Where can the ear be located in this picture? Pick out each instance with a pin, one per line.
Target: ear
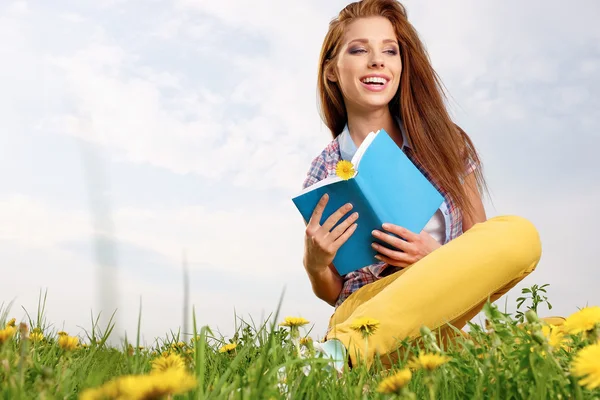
(330, 73)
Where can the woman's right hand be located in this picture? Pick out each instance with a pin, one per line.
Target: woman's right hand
(321, 242)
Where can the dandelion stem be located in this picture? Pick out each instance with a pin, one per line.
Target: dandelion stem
(366, 346)
(431, 386)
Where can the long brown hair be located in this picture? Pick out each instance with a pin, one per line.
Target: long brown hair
(440, 145)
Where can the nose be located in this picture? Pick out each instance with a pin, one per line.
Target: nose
(376, 61)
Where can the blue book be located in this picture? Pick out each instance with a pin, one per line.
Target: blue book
(386, 187)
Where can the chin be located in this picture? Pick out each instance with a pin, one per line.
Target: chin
(372, 104)
(375, 99)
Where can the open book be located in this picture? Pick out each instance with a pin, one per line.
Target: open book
(386, 187)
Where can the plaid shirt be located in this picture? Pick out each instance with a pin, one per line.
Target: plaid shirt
(342, 147)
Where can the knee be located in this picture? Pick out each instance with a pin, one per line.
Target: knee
(522, 241)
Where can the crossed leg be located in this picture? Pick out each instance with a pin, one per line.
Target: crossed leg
(449, 286)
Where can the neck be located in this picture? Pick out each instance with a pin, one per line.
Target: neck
(360, 124)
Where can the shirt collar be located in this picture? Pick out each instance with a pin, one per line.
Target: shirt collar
(348, 148)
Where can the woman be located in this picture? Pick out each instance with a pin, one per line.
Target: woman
(374, 73)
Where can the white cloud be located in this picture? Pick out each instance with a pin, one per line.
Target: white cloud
(130, 114)
(29, 222)
(187, 133)
(250, 243)
(19, 7)
(73, 17)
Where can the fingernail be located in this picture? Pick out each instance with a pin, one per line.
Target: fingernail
(378, 257)
(375, 233)
(385, 226)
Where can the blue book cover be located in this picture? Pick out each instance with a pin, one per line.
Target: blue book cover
(386, 187)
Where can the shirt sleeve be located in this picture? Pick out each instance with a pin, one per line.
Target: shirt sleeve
(470, 166)
(316, 172)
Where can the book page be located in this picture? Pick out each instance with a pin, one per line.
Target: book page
(362, 148)
(355, 161)
(327, 181)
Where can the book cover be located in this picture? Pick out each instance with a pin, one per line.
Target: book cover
(386, 187)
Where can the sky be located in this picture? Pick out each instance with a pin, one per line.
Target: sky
(145, 134)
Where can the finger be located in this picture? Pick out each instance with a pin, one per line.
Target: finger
(315, 218)
(394, 255)
(394, 263)
(400, 231)
(338, 230)
(393, 240)
(336, 216)
(344, 237)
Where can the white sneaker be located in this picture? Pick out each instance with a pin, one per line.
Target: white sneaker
(332, 349)
(335, 350)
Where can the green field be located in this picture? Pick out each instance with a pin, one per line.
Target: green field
(513, 356)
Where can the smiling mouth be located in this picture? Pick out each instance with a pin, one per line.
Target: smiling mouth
(375, 81)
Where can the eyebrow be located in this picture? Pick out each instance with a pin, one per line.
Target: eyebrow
(361, 40)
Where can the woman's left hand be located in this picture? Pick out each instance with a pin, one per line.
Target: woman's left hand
(409, 251)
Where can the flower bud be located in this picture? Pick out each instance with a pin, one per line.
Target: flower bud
(531, 316)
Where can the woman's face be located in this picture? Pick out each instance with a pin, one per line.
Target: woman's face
(368, 66)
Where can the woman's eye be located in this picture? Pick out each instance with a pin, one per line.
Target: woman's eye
(392, 52)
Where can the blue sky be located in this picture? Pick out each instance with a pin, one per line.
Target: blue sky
(196, 121)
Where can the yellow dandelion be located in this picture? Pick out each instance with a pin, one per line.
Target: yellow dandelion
(62, 333)
(155, 385)
(396, 382)
(171, 382)
(172, 361)
(587, 364)
(36, 336)
(294, 322)
(344, 169)
(227, 348)
(305, 341)
(555, 336)
(7, 333)
(12, 322)
(366, 326)
(67, 342)
(429, 361)
(582, 321)
(98, 393)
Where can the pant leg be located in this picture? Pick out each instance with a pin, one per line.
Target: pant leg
(450, 285)
(364, 294)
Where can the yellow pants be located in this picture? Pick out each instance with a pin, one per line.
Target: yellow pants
(449, 286)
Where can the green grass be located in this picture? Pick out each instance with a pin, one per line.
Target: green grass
(509, 359)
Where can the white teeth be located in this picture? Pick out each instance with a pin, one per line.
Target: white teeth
(374, 80)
